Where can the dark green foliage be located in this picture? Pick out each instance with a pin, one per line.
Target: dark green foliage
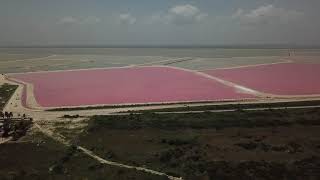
(15, 128)
(71, 116)
(115, 106)
(250, 170)
(6, 91)
(43, 158)
(239, 107)
(208, 120)
(180, 144)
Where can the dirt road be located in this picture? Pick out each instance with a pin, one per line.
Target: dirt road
(61, 139)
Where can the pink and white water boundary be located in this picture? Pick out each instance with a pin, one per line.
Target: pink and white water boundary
(279, 80)
(127, 85)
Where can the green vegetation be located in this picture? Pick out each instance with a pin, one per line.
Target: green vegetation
(6, 91)
(66, 116)
(235, 106)
(270, 144)
(195, 108)
(15, 128)
(227, 145)
(118, 106)
(207, 120)
(42, 158)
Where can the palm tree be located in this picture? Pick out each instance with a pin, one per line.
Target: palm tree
(6, 114)
(11, 114)
(6, 128)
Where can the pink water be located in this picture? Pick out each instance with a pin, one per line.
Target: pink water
(124, 86)
(280, 79)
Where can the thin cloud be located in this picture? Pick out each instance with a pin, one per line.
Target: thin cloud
(73, 20)
(180, 15)
(91, 20)
(266, 14)
(127, 19)
(68, 20)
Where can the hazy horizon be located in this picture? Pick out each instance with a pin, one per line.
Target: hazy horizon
(225, 46)
(159, 23)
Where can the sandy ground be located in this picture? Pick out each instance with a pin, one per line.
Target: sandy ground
(30, 98)
(2, 79)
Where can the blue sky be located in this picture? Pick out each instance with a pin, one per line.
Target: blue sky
(158, 22)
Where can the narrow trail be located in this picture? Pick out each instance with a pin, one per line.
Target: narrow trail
(61, 139)
(55, 136)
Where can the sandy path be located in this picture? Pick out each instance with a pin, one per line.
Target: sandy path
(2, 78)
(61, 139)
(31, 101)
